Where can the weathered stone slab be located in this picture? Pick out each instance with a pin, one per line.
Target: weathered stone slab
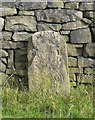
(89, 50)
(86, 62)
(11, 59)
(5, 35)
(20, 23)
(80, 36)
(2, 66)
(72, 62)
(31, 5)
(89, 71)
(7, 11)
(44, 27)
(58, 15)
(47, 68)
(87, 6)
(74, 49)
(72, 5)
(21, 36)
(55, 4)
(74, 25)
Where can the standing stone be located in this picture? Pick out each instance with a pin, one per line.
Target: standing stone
(47, 63)
(1, 23)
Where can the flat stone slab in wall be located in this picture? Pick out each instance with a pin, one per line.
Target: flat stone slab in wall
(47, 63)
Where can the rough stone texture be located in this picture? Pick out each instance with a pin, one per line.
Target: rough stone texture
(74, 25)
(58, 15)
(80, 36)
(90, 14)
(12, 45)
(11, 59)
(75, 70)
(74, 50)
(1, 23)
(87, 6)
(18, 23)
(86, 78)
(44, 27)
(5, 36)
(21, 36)
(3, 77)
(89, 50)
(31, 5)
(86, 62)
(55, 4)
(3, 53)
(47, 63)
(26, 13)
(7, 11)
(72, 62)
(2, 66)
(72, 5)
(89, 71)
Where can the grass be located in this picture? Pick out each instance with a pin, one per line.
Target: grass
(24, 104)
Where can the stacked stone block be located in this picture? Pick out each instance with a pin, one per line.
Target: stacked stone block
(75, 21)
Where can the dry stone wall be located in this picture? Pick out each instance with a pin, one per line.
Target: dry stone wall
(74, 20)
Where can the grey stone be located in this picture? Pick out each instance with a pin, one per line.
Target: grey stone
(74, 50)
(87, 6)
(58, 15)
(12, 45)
(80, 36)
(10, 4)
(7, 11)
(11, 59)
(89, 71)
(47, 63)
(89, 14)
(44, 27)
(72, 5)
(85, 62)
(73, 70)
(5, 35)
(20, 23)
(26, 13)
(16, 72)
(2, 66)
(86, 78)
(89, 50)
(1, 23)
(31, 5)
(21, 36)
(72, 62)
(74, 25)
(3, 53)
(55, 4)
